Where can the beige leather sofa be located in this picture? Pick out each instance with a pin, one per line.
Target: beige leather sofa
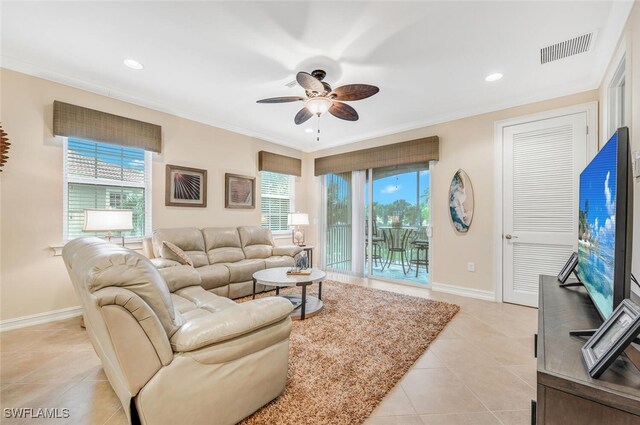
(225, 258)
(173, 352)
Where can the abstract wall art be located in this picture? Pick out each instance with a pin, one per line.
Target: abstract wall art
(239, 191)
(185, 187)
(461, 201)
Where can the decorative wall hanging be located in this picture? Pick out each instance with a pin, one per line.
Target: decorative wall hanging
(4, 148)
(185, 187)
(461, 201)
(239, 191)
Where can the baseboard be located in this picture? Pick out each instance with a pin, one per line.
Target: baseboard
(36, 319)
(464, 292)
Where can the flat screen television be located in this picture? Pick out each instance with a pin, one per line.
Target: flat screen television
(605, 224)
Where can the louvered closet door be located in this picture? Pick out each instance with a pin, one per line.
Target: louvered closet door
(542, 164)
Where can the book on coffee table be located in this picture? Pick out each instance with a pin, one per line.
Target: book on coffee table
(296, 272)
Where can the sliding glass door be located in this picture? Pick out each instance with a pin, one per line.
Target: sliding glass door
(376, 223)
(400, 222)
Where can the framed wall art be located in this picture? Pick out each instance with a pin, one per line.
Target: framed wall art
(185, 187)
(239, 191)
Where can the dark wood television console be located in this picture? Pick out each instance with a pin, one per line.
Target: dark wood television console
(566, 394)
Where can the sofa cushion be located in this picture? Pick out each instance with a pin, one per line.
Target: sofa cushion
(188, 239)
(257, 242)
(184, 258)
(290, 250)
(243, 270)
(222, 244)
(205, 300)
(214, 276)
(213, 325)
(182, 305)
(180, 276)
(279, 261)
(162, 263)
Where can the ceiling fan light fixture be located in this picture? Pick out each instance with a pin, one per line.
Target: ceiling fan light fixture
(318, 105)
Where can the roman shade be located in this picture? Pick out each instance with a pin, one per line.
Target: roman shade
(275, 163)
(411, 152)
(88, 124)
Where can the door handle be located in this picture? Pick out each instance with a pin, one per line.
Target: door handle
(510, 236)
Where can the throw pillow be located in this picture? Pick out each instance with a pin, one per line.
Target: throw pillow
(183, 257)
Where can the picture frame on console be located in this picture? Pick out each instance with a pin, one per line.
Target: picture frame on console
(239, 191)
(185, 187)
(611, 339)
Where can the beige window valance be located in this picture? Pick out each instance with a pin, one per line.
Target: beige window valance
(411, 152)
(275, 163)
(88, 124)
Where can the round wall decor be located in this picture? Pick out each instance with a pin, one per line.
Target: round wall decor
(461, 201)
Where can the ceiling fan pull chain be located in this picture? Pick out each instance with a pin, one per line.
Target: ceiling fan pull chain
(318, 137)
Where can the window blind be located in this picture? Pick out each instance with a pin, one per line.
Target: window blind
(104, 161)
(277, 200)
(100, 176)
(89, 196)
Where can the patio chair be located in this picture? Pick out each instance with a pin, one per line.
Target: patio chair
(397, 241)
(376, 242)
(419, 245)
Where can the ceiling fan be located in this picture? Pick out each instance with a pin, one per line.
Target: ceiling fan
(321, 98)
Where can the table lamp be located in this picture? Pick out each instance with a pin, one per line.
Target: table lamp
(108, 221)
(297, 233)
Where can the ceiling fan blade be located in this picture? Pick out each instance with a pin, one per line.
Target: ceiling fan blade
(303, 115)
(355, 92)
(309, 82)
(343, 111)
(284, 99)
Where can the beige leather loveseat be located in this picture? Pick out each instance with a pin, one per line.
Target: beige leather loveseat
(173, 352)
(224, 258)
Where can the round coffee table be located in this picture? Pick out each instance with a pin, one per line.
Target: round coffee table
(304, 305)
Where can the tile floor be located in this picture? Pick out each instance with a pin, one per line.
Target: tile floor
(480, 370)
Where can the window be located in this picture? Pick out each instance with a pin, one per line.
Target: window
(101, 175)
(278, 200)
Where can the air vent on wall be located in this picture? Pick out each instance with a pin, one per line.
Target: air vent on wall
(566, 48)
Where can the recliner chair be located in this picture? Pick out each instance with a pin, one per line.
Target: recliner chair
(173, 352)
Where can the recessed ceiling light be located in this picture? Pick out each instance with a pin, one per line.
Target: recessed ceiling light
(308, 130)
(493, 77)
(133, 64)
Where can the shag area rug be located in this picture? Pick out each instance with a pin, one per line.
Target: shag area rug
(344, 360)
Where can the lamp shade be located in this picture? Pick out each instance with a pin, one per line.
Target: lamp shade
(298, 219)
(108, 220)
